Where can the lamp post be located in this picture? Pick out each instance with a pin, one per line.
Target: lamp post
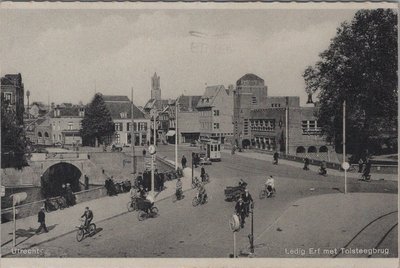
(251, 235)
(176, 133)
(133, 139)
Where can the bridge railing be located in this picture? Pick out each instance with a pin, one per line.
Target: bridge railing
(32, 208)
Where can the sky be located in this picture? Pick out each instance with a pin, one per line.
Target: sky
(68, 55)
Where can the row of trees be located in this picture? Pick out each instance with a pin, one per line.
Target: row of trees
(360, 66)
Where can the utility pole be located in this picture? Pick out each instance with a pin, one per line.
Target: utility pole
(344, 145)
(133, 139)
(176, 133)
(287, 127)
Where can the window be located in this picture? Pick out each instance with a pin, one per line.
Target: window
(118, 126)
(70, 126)
(216, 112)
(117, 138)
(310, 127)
(128, 126)
(123, 115)
(39, 134)
(254, 100)
(8, 96)
(46, 135)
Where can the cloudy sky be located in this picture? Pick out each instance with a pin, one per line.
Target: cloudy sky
(66, 54)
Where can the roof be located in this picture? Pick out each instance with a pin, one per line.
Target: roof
(159, 104)
(11, 79)
(209, 96)
(67, 110)
(251, 77)
(118, 108)
(115, 98)
(186, 101)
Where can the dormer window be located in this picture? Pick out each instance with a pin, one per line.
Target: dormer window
(81, 112)
(124, 115)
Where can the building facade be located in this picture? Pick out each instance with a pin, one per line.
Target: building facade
(285, 126)
(250, 93)
(12, 91)
(120, 108)
(188, 119)
(215, 113)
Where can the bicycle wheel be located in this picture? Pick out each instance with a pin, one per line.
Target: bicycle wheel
(141, 215)
(79, 235)
(195, 201)
(154, 210)
(130, 206)
(262, 194)
(92, 229)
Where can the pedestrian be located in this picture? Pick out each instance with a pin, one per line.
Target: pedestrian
(360, 165)
(247, 200)
(276, 156)
(144, 152)
(202, 174)
(367, 169)
(86, 182)
(306, 163)
(70, 196)
(240, 211)
(139, 179)
(42, 221)
(183, 161)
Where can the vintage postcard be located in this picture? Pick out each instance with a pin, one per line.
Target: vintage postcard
(199, 135)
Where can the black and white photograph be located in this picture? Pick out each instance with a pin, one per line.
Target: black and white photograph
(184, 131)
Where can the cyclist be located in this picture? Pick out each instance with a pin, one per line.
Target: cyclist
(88, 215)
(202, 193)
(270, 186)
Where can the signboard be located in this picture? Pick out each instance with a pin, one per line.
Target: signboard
(3, 191)
(345, 165)
(234, 223)
(147, 163)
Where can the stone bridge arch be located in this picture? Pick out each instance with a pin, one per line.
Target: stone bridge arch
(58, 174)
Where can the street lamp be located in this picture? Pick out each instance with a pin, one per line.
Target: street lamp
(251, 235)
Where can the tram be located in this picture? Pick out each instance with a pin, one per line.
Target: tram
(213, 150)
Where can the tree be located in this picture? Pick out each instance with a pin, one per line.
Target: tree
(360, 66)
(97, 123)
(14, 145)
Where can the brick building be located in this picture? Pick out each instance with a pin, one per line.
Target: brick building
(215, 113)
(250, 93)
(12, 91)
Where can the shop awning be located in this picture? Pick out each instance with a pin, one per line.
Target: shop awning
(170, 133)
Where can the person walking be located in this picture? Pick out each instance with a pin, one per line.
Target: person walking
(276, 157)
(144, 152)
(183, 161)
(42, 221)
(86, 182)
(240, 210)
(306, 163)
(247, 200)
(360, 165)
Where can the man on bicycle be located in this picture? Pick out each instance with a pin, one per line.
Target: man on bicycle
(270, 186)
(202, 193)
(88, 215)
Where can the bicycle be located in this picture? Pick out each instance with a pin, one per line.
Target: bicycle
(85, 231)
(132, 205)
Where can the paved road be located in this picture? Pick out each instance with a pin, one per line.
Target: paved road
(182, 230)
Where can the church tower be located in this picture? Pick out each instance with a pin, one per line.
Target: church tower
(155, 87)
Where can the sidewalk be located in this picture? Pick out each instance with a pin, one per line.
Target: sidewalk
(330, 222)
(62, 222)
(267, 157)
